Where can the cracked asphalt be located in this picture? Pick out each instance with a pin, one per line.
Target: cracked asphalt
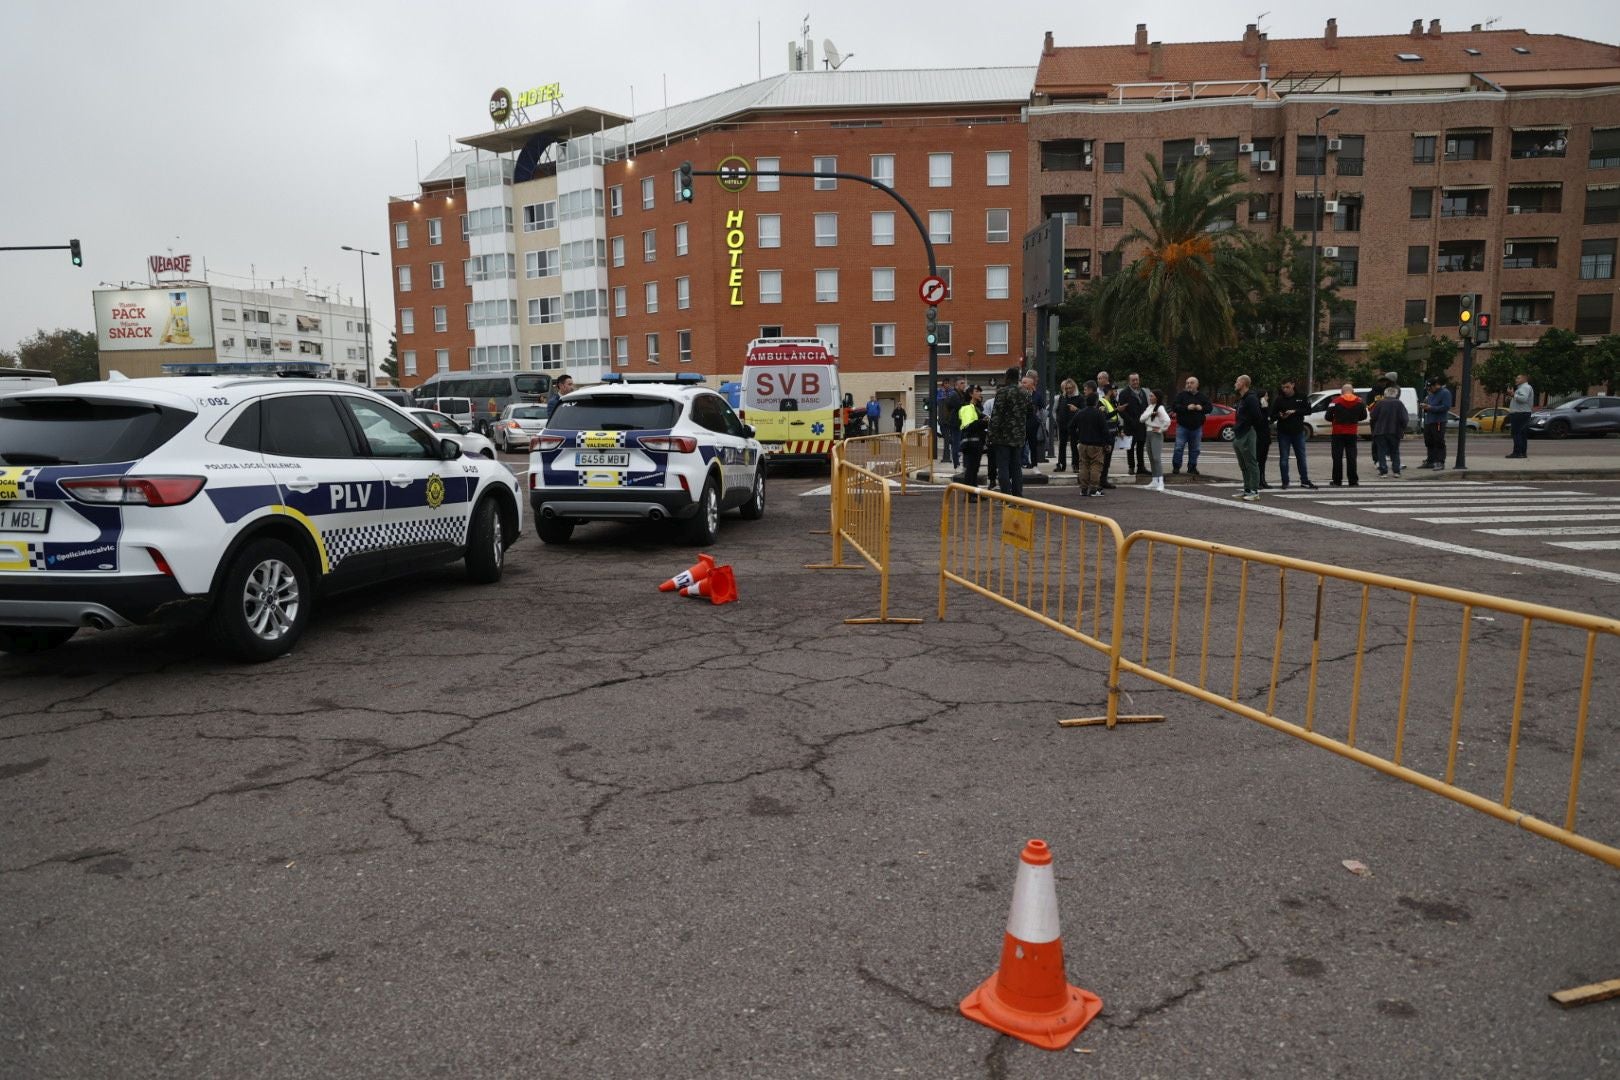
(569, 826)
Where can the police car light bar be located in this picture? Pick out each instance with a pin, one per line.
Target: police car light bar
(690, 378)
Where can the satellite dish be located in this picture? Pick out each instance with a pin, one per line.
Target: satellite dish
(835, 59)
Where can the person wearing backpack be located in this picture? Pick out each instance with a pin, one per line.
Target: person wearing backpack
(1344, 413)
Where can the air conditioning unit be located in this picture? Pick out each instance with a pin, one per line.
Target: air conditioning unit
(1331, 206)
(1335, 144)
(1268, 166)
(1451, 146)
(1201, 149)
(1260, 215)
(1088, 161)
(1246, 148)
(1330, 252)
(1085, 201)
(1507, 249)
(1515, 209)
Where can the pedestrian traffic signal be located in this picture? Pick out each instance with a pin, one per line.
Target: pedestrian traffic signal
(1482, 328)
(1465, 317)
(74, 253)
(685, 182)
(933, 325)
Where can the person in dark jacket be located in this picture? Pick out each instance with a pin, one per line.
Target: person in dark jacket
(1191, 409)
(899, 415)
(1388, 425)
(1262, 437)
(1091, 432)
(1344, 412)
(1289, 410)
(973, 426)
(1250, 415)
(1132, 402)
(1009, 430)
(1068, 404)
(1436, 411)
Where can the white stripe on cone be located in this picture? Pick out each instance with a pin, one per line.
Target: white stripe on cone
(1034, 914)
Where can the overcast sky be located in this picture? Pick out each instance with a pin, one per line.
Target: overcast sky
(263, 137)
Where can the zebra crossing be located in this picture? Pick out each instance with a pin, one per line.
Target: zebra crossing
(1559, 517)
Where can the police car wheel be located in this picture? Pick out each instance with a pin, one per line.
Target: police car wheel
(486, 544)
(554, 530)
(22, 640)
(754, 508)
(263, 604)
(703, 526)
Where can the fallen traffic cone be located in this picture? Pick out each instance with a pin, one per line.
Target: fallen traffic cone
(720, 586)
(1029, 996)
(690, 576)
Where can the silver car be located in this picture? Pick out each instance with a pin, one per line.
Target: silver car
(1578, 416)
(518, 424)
(445, 428)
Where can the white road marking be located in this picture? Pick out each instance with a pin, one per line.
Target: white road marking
(1558, 530)
(1587, 545)
(1492, 507)
(1402, 538)
(824, 489)
(1517, 519)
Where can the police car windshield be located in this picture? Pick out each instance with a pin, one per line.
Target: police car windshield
(614, 412)
(72, 431)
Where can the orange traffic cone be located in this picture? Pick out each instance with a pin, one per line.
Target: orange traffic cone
(1029, 996)
(690, 576)
(720, 586)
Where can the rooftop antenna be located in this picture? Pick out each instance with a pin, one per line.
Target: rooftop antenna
(1492, 22)
(833, 59)
(1257, 19)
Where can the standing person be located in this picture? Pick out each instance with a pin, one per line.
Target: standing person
(1344, 413)
(1262, 437)
(1105, 402)
(1289, 410)
(1388, 425)
(874, 414)
(1067, 405)
(1092, 434)
(1249, 416)
(1132, 402)
(1031, 382)
(1436, 413)
(899, 417)
(1009, 431)
(1376, 399)
(1191, 409)
(561, 385)
(1519, 409)
(971, 422)
(951, 450)
(1155, 421)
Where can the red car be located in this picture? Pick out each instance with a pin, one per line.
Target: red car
(1219, 424)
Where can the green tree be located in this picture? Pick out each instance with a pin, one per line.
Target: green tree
(70, 355)
(1386, 351)
(1442, 354)
(1273, 321)
(1603, 363)
(1141, 353)
(1495, 367)
(390, 363)
(1557, 364)
(1194, 270)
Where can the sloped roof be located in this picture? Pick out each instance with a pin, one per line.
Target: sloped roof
(1079, 69)
(453, 167)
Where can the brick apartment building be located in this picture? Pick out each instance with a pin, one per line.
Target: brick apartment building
(428, 249)
(1484, 162)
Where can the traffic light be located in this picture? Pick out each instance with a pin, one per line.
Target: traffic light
(74, 253)
(933, 325)
(1465, 317)
(1482, 328)
(685, 182)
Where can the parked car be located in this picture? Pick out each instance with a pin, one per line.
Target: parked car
(398, 395)
(1317, 422)
(1452, 420)
(1577, 416)
(1491, 419)
(445, 428)
(459, 409)
(518, 424)
(1219, 424)
(25, 379)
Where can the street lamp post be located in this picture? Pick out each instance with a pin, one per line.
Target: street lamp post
(1316, 223)
(365, 306)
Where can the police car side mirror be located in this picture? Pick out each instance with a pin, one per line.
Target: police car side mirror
(748, 431)
(449, 450)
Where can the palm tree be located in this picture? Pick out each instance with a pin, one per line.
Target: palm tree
(1195, 267)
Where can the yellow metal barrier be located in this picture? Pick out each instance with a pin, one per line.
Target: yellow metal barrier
(861, 512)
(890, 456)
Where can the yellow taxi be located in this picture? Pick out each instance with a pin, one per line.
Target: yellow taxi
(1492, 419)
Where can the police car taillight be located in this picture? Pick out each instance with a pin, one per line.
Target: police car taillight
(545, 442)
(134, 490)
(668, 444)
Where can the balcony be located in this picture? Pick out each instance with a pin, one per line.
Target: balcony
(1539, 144)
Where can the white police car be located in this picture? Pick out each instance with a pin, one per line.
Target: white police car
(234, 500)
(648, 450)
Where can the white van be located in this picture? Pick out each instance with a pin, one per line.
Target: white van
(14, 379)
(1317, 422)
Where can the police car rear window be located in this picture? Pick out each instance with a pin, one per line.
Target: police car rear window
(75, 431)
(614, 412)
(535, 413)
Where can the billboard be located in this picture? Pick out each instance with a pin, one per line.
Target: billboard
(133, 319)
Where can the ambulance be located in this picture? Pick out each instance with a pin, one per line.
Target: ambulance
(791, 398)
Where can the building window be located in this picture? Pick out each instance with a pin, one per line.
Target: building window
(683, 345)
(995, 338)
(621, 351)
(466, 229)
(1468, 146)
(1307, 212)
(436, 275)
(883, 339)
(826, 286)
(408, 358)
(649, 245)
(1597, 259)
(1346, 265)
(404, 279)
(545, 309)
(770, 331)
(1594, 314)
(1113, 157)
(828, 332)
(825, 164)
(1310, 155)
(647, 193)
(681, 232)
(1422, 203)
(1602, 205)
(541, 264)
(997, 282)
(441, 359)
(1113, 212)
(616, 201)
(1423, 149)
(407, 320)
(1417, 259)
(939, 170)
(1347, 218)
(435, 228)
(826, 230)
(1460, 256)
(1264, 150)
(998, 226)
(998, 168)
(650, 297)
(1464, 202)
(537, 216)
(616, 246)
(883, 228)
(882, 283)
(402, 235)
(770, 286)
(949, 274)
(621, 301)
(652, 349)
(1605, 151)
(1342, 323)
(939, 226)
(883, 169)
(441, 319)
(767, 165)
(1065, 155)
(1416, 310)
(683, 293)
(1539, 144)
(942, 339)
(545, 357)
(770, 230)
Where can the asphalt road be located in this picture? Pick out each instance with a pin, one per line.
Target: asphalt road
(570, 826)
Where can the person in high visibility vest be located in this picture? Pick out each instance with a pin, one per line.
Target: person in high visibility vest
(972, 425)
